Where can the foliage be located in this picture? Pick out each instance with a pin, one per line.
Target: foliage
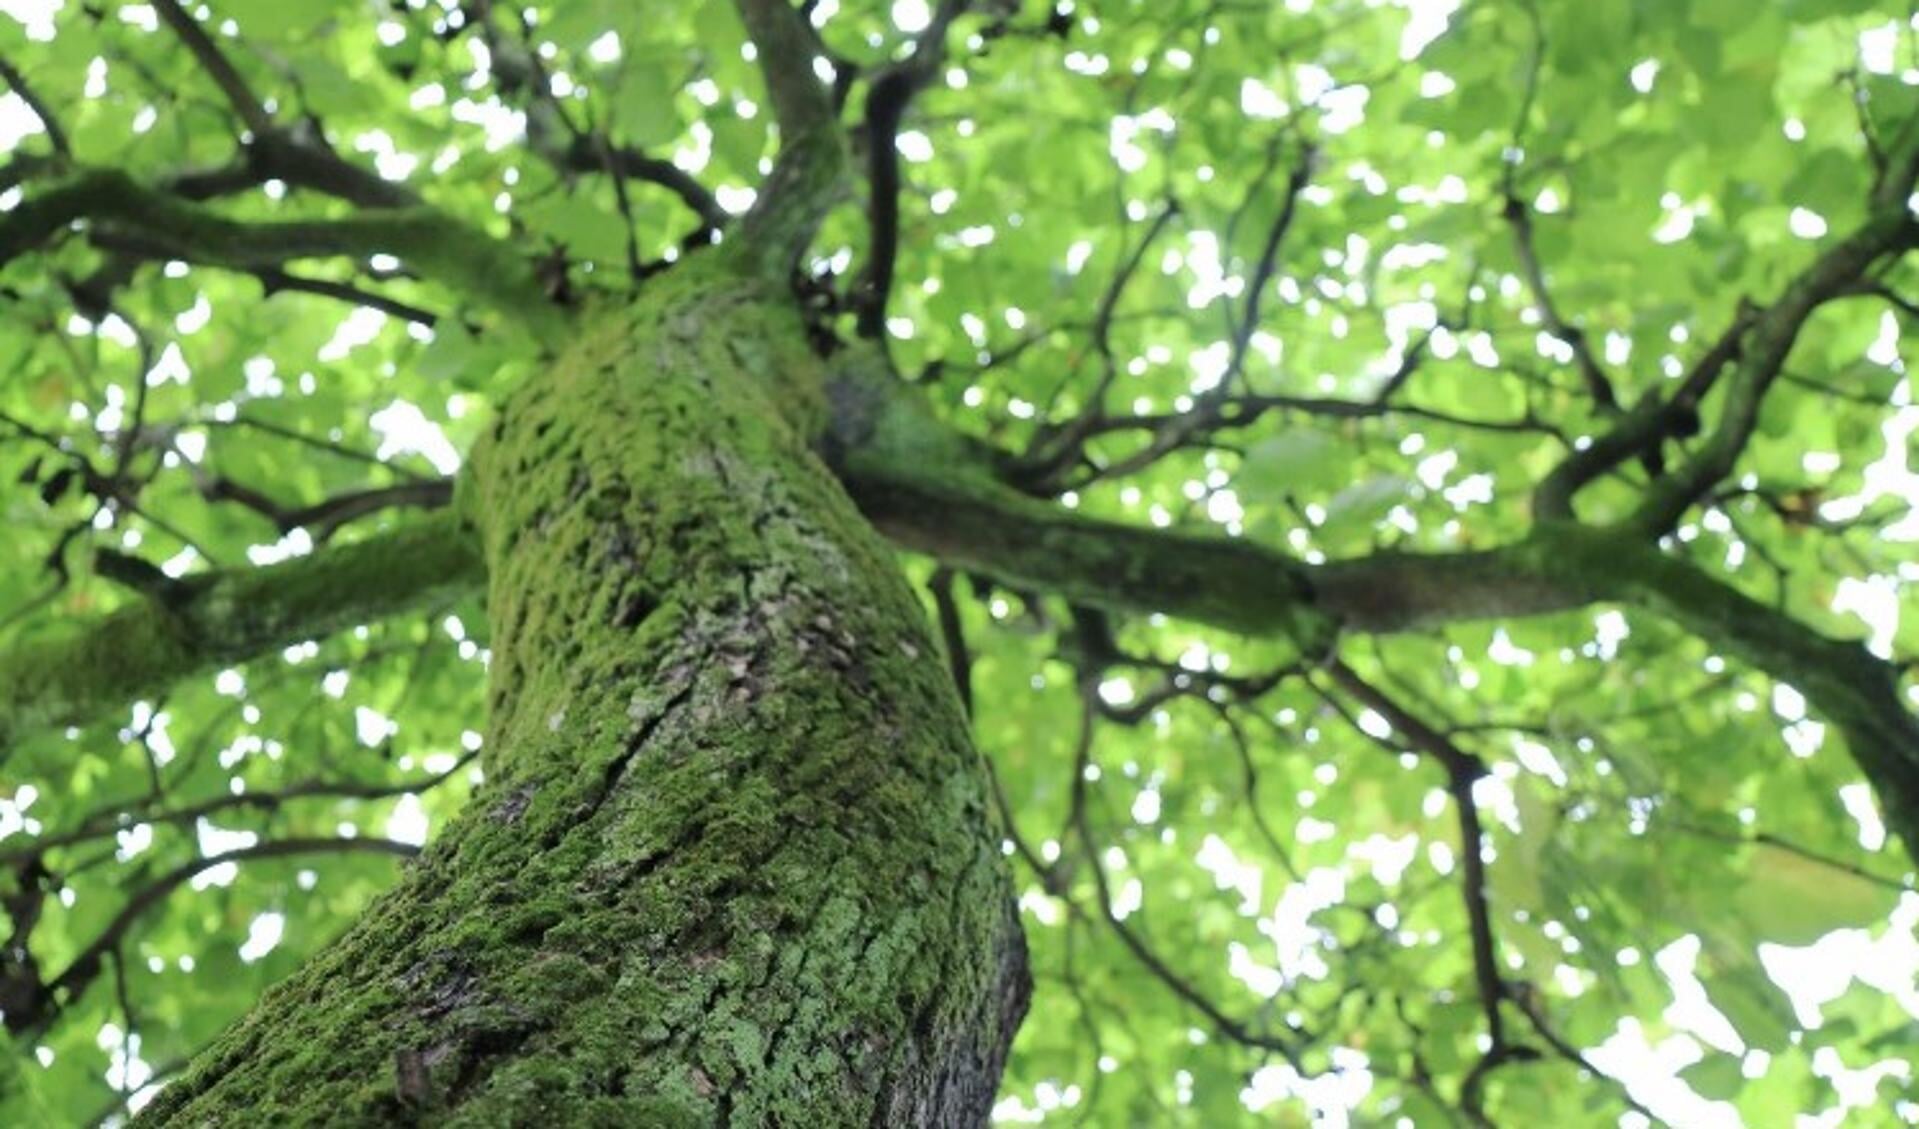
(1341, 278)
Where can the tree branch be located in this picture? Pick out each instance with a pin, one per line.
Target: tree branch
(582, 155)
(1179, 430)
(17, 82)
(77, 675)
(1053, 453)
(934, 491)
(1889, 232)
(74, 980)
(218, 67)
(445, 250)
(888, 96)
(1853, 690)
(808, 176)
(1598, 385)
(275, 281)
(959, 659)
(1753, 348)
(1529, 1005)
(111, 822)
(1648, 424)
(301, 157)
(1462, 769)
(1079, 825)
(325, 517)
(518, 71)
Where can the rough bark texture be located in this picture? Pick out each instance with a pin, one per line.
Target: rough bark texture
(734, 862)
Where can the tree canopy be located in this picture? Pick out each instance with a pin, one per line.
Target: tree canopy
(1414, 495)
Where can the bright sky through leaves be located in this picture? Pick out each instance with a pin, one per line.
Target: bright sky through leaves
(1491, 211)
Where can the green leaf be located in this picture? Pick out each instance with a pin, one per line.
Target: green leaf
(740, 142)
(581, 224)
(1715, 1077)
(451, 354)
(1753, 1005)
(1301, 460)
(1366, 502)
(644, 112)
(1793, 900)
(1631, 756)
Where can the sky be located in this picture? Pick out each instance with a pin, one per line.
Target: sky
(1886, 958)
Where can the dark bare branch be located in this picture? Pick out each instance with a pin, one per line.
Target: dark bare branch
(1598, 384)
(959, 659)
(274, 281)
(1287, 1045)
(1462, 769)
(582, 155)
(1640, 432)
(17, 82)
(324, 518)
(78, 976)
(1774, 331)
(120, 817)
(219, 68)
(890, 92)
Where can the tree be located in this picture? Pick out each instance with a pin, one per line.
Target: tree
(1324, 542)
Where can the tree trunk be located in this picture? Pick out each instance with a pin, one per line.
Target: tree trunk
(734, 861)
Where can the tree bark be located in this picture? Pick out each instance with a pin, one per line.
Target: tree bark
(734, 861)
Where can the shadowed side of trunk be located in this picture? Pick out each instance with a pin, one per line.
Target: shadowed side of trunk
(733, 862)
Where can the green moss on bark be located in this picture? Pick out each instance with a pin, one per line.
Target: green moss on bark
(74, 676)
(734, 862)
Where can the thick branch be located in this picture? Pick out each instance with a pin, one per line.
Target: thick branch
(301, 158)
(78, 675)
(1226, 582)
(1853, 690)
(936, 492)
(809, 174)
(438, 247)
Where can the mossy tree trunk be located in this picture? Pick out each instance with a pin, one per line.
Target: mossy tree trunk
(733, 862)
